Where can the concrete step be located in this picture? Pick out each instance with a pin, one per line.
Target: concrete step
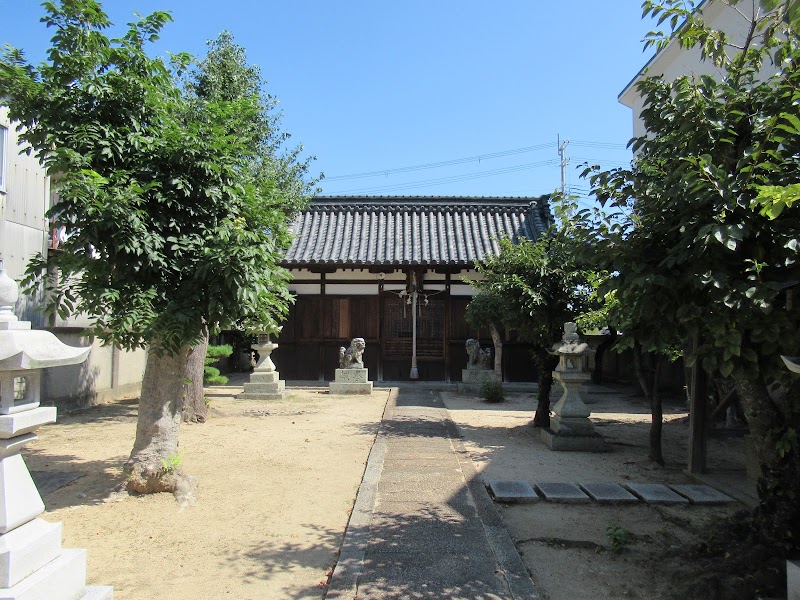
(61, 579)
(26, 549)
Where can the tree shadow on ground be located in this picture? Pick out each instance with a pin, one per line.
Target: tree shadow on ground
(95, 480)
(263, 561)
(434, 553)
(119, 410)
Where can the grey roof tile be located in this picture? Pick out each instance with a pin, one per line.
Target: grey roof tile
(359, 231)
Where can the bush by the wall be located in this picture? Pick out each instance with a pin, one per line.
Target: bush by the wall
(211, 374)
(491, 391)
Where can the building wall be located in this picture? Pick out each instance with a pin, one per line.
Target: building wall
(674, 61)
(23, 203)
(334, 307)
(108, 373)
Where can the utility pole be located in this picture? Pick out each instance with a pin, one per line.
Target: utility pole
(562, 146)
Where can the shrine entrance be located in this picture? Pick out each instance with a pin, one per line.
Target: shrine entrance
(397, 336)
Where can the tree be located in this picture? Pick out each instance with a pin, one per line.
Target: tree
(691, 254)
(166, 236)
(224, 76)
(535, 287)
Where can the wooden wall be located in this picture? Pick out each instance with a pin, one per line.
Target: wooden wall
(318, 326)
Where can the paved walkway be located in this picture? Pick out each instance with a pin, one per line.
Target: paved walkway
(423, 525)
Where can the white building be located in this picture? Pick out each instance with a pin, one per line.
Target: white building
(25, 196)
(673, 60)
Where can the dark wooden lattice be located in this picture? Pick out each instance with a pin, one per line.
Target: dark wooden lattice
(397, 328)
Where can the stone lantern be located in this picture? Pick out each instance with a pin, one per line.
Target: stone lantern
(570, 427)
(32, 563)
(265, 382)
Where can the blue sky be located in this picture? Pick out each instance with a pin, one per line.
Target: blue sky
(377, 86)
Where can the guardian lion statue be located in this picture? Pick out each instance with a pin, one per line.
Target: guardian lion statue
(352, 357)
(478, 358)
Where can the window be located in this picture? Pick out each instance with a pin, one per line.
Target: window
(3, 153)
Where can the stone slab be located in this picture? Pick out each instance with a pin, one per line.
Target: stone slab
(506, 490)
(48, 482)
(351, 376)
(254, 396)
(562, 492)
(460, 575)
(265, 388)
(337, 388)
(12, 446)
(572, 426)
(61, 579)
(26, 422)
(702, 494)
(26, 549)
(476, 376)
(456, 513)
(793, 579)
(264, 377)
(656, 493)
(574, 443)
(608, 493)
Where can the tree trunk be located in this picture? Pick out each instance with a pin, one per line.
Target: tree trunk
(152, 465)
(545, 364)
(774, 435)
(498, 353)
(648, 372)
(194, 401)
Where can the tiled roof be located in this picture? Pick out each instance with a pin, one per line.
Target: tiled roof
(359, 231)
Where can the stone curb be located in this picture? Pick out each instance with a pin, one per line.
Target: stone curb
(343, 584)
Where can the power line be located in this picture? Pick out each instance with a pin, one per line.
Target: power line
(604, 145)
(452, 179)
(467, 159)
(616, 163)
(444, 163)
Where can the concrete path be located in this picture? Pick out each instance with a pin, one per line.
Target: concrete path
(423, 525)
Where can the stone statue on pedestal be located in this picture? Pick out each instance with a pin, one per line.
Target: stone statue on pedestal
(351, 376)
(352, 357)
(477, 357)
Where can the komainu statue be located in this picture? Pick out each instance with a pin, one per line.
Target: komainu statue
(478, 358)
(352, 357)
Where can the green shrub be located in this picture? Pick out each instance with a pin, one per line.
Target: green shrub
(491, 391)
(618, 536)
(211, 374)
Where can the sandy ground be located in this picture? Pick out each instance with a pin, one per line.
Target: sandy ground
(276, 484)
(566, 547)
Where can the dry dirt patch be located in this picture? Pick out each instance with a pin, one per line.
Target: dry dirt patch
(276, 484)
(567, 547)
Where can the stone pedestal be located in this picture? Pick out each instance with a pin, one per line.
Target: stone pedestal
(33, 566)
(473, 379)
(570, 427)
(350, 381)
(265, 382)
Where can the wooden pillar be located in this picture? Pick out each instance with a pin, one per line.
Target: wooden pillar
(321, 366)
(698, 417)
(380, 330)
(447, 310)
